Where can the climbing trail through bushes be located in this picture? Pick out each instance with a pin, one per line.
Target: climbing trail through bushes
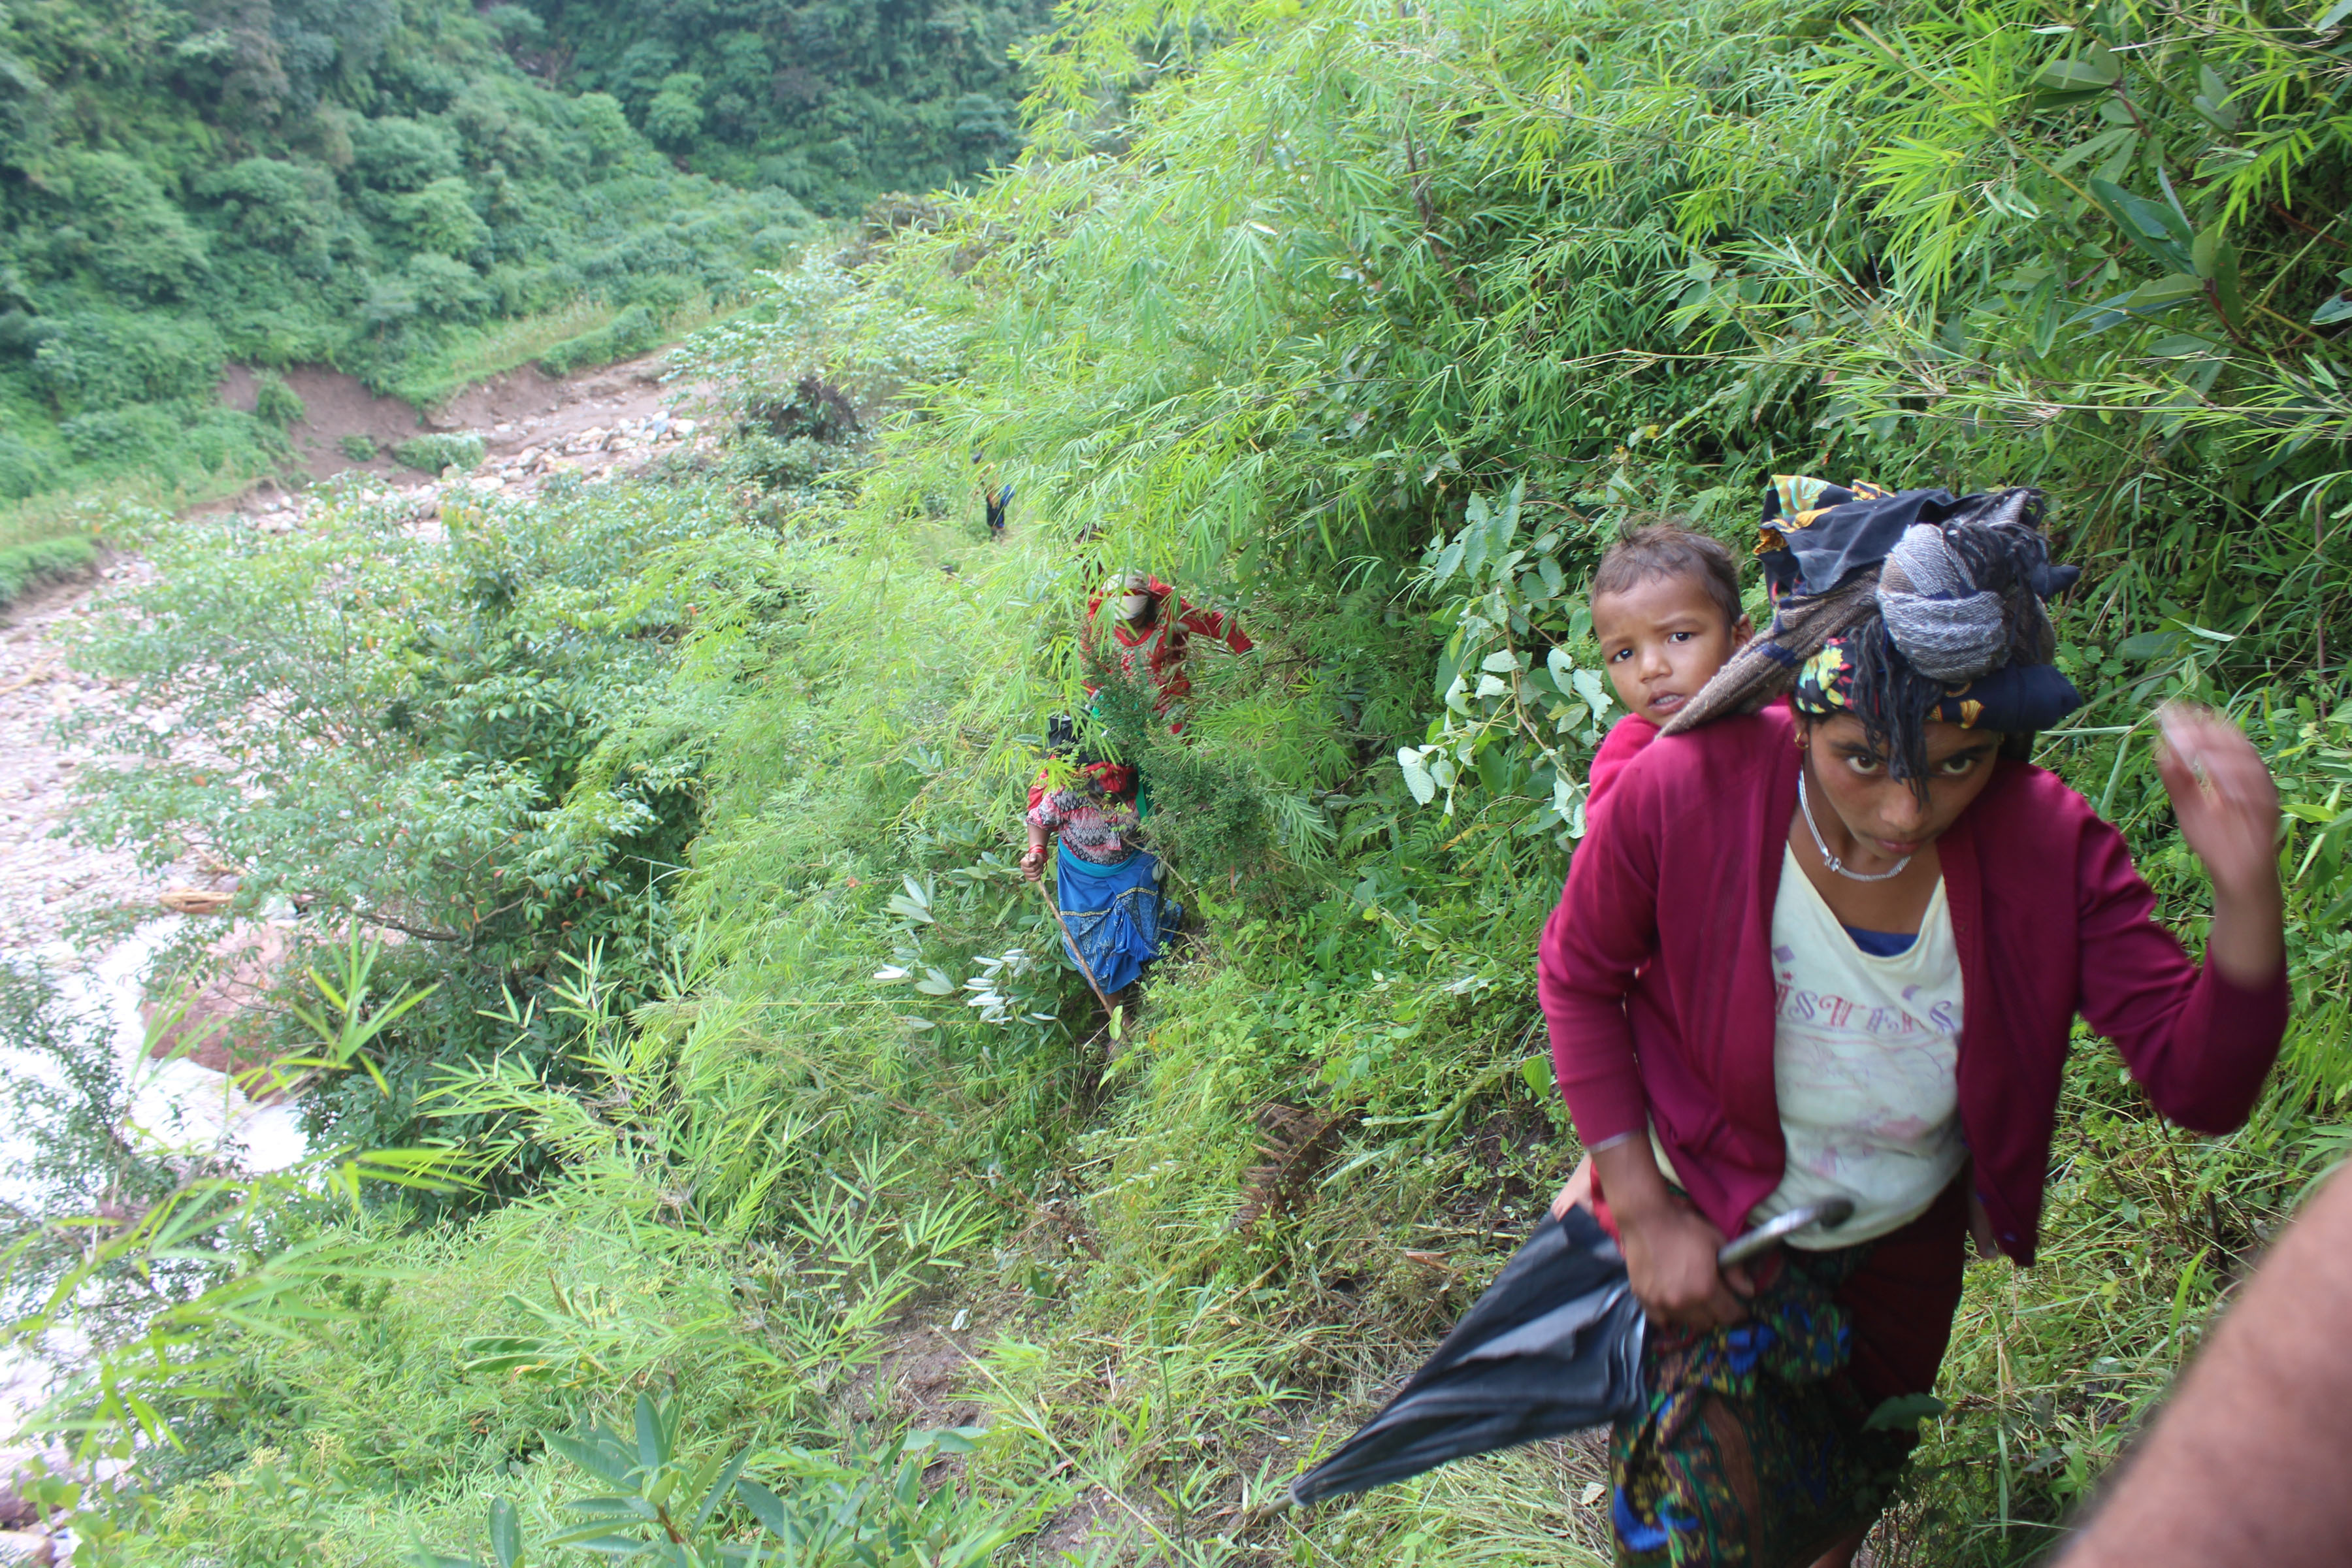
(752, 1084)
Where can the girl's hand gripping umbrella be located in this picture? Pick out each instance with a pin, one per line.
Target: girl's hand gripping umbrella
(1554, 1346)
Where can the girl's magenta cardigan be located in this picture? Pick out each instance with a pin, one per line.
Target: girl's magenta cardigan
(1658, 987)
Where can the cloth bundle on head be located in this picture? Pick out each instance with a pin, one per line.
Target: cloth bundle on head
(1946, 590)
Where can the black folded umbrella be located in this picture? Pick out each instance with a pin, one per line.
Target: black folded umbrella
(1554, 1346)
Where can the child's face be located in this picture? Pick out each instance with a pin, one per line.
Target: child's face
(1661, 639)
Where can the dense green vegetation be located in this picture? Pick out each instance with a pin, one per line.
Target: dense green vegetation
(369, 185)
(834, 103)
(1369, 322)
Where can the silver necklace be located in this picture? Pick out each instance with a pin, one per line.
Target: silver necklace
(1831, 861)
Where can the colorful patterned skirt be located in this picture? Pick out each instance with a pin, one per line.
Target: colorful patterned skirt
(1758, 1447)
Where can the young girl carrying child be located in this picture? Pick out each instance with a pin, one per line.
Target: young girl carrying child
(1838, 946)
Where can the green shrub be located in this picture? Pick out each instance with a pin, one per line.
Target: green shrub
(116, 438)
(275, 403)
(440, 220)
(94, 360)
(271, 205)
(127, 230)
(431, 454)
(49, 560)
(24, 469)
(396, 154)
(358, 449)
(635, 330)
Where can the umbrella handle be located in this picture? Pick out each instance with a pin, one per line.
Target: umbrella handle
(1829, 1214)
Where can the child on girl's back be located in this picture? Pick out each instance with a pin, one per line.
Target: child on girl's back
(1665, 610)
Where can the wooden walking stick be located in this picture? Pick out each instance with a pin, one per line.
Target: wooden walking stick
(1053, 908)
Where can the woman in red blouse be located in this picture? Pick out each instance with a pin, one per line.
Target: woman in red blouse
(1151, 638)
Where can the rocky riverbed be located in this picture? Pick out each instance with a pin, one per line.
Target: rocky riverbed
(98, 920)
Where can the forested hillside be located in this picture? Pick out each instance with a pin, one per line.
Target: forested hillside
(374, 186)
(834, 103)
(717, 1109)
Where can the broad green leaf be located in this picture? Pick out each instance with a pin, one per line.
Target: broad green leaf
(764, 1506)
(2152, 228)
(653, 1441)
(2333, 312)
(2225, 286)
(506, 1534)
(2212, 99)
(421, 1557)
(2060, 83)
(2049, 314)
(948, 1439)
(1416, 775)
(2161, 294)
(2201, 254)
(591, 1458)
(717, 1491)
(1502, 661)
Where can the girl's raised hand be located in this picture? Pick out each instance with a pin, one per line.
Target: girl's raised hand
(2222, 797)
(2228, 809)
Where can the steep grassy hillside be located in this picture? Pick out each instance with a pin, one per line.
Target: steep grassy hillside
(788, 1138)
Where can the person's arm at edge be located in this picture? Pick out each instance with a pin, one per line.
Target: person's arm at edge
(1040, 820)
(2245, 1464)
(1216, 624)
(1596, 940)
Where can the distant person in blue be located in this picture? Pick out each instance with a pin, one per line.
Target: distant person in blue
(995, 494)
(1108, 885)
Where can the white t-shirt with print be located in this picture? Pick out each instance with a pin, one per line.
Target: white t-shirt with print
(1865, 1061)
